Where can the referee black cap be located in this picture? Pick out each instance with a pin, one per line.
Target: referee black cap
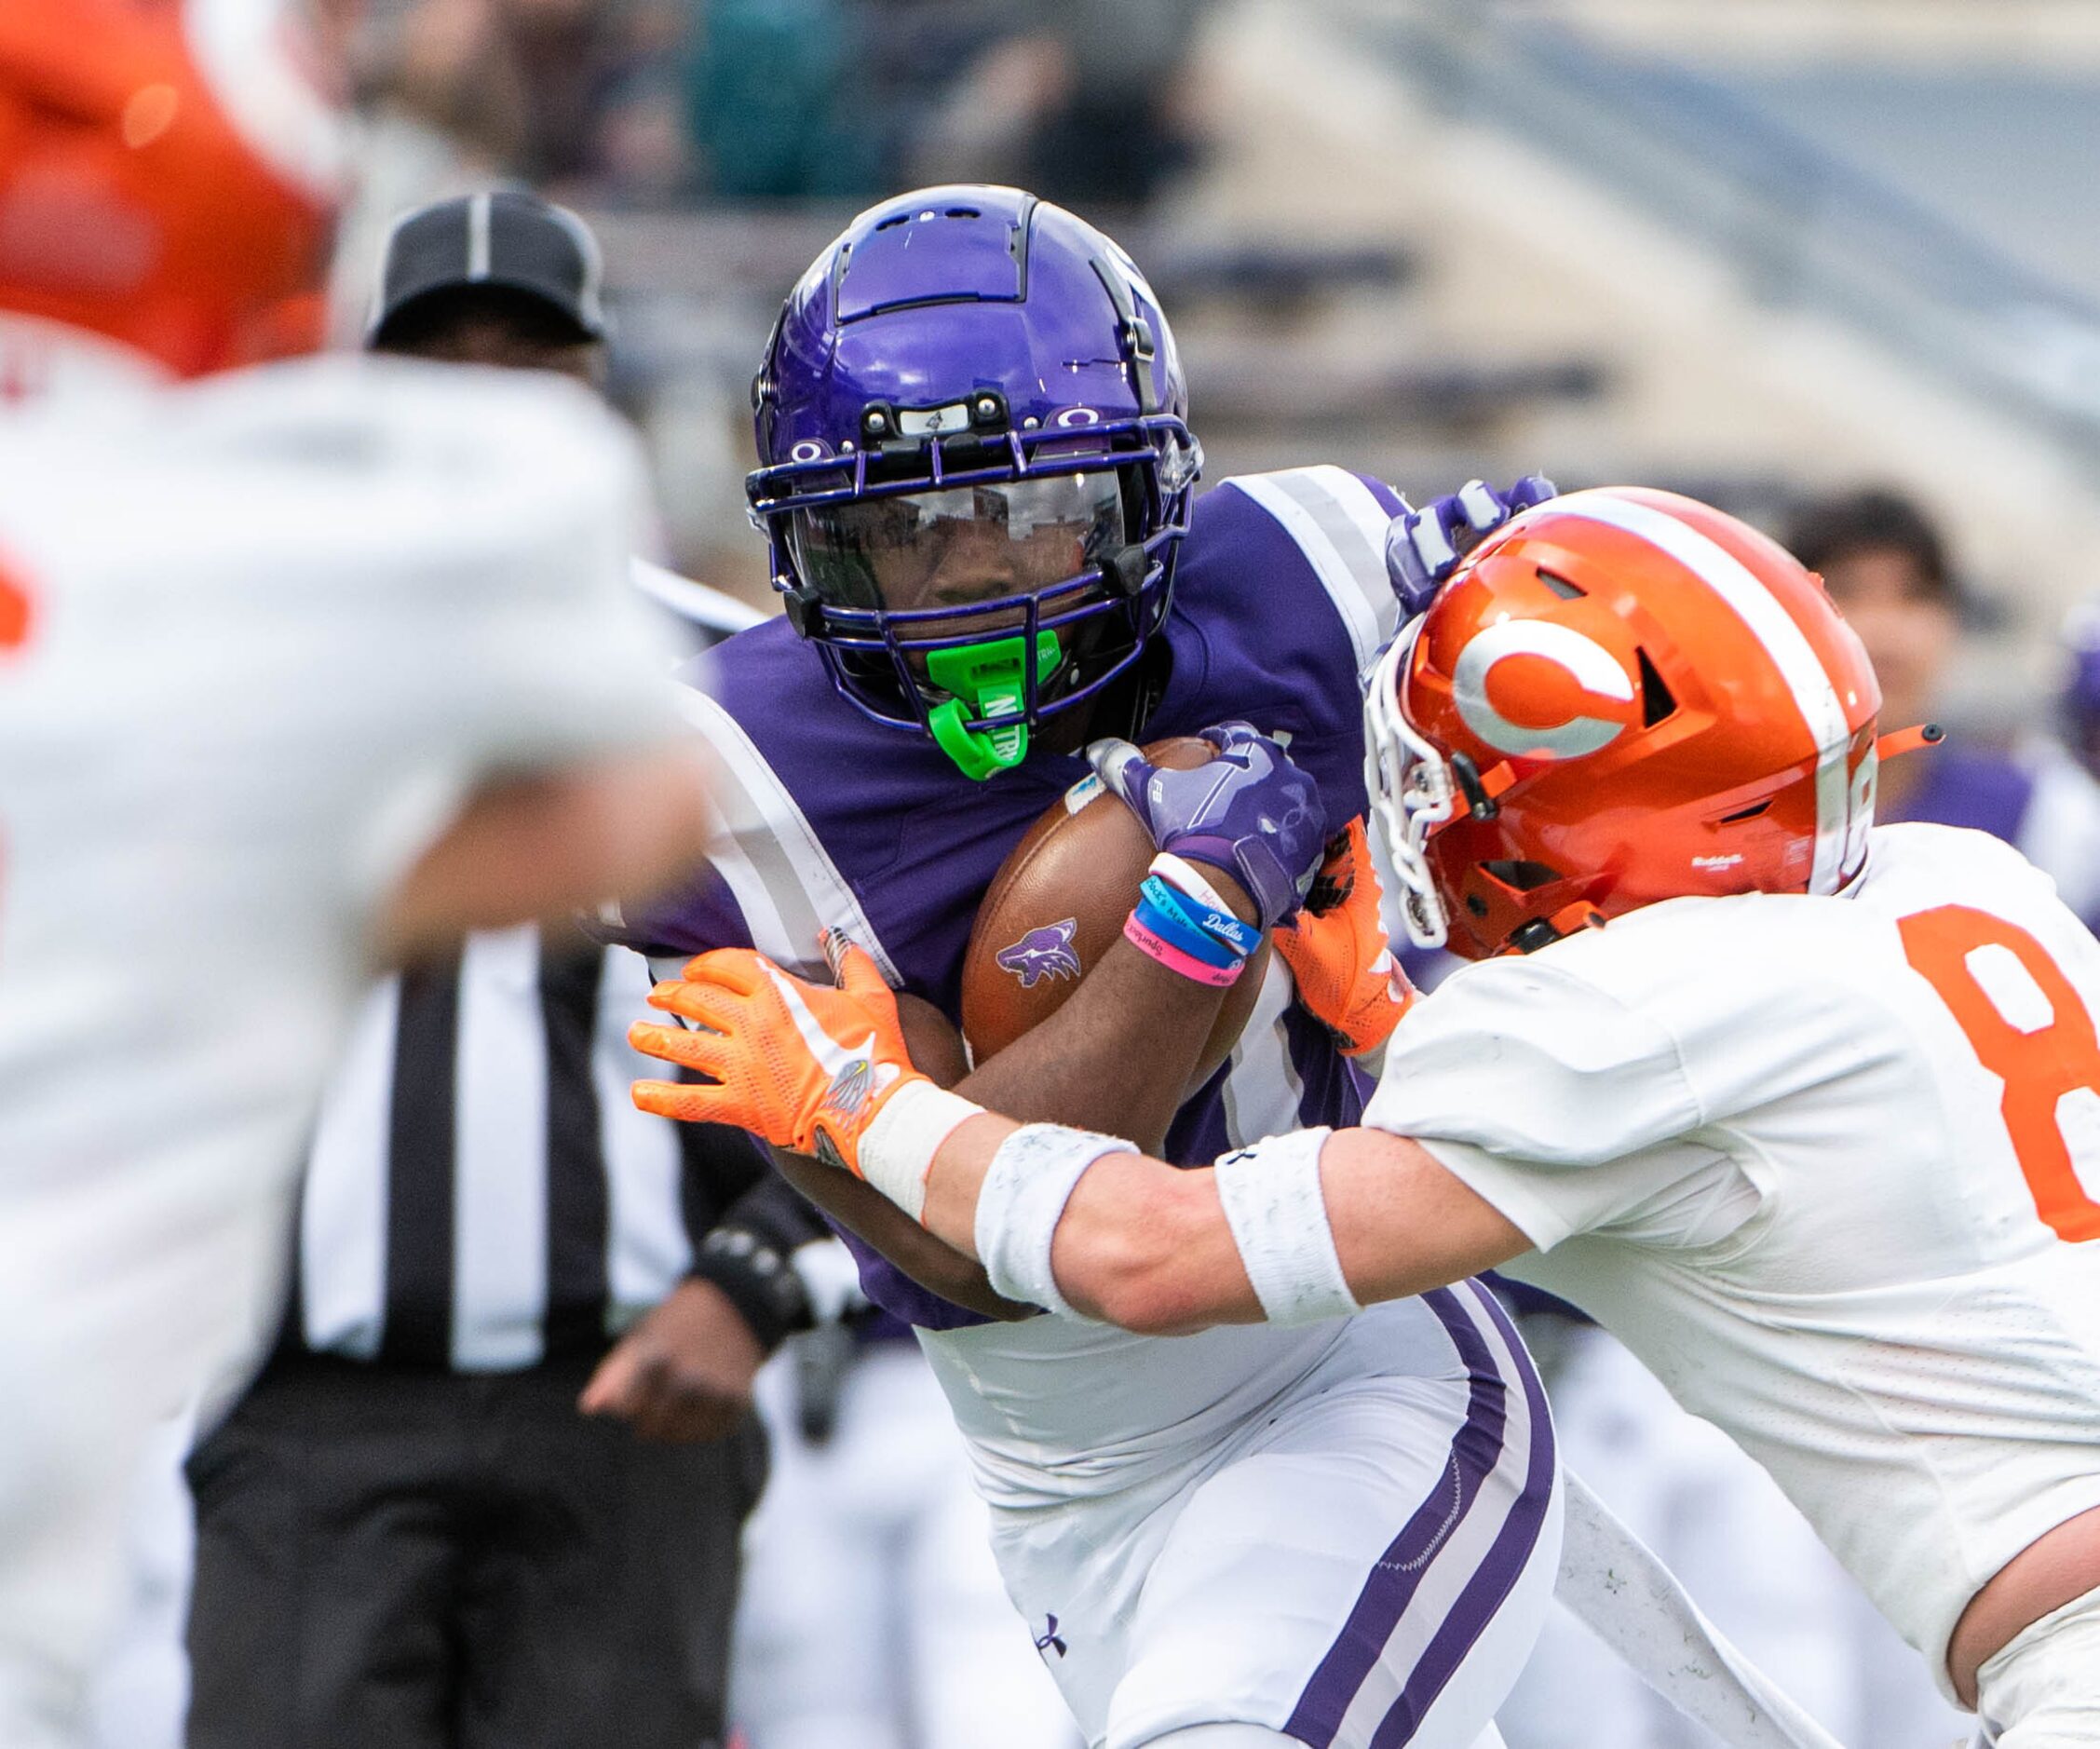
(508, 239)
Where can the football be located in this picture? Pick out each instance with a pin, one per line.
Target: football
(1058, 904)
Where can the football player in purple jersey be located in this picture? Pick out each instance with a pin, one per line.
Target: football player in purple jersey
(977, 477)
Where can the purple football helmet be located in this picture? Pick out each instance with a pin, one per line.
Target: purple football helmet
(975, 464)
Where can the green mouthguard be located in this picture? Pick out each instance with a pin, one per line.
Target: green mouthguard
(987, 680)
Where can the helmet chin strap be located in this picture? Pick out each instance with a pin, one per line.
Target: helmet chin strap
(1480, 792)
(987, 680)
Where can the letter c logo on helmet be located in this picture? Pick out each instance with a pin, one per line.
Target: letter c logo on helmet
(1586, 670)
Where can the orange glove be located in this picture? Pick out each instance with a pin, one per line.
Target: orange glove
(1347, 976)
(806, 1067)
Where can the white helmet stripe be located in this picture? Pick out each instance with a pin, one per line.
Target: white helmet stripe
(1814, 694)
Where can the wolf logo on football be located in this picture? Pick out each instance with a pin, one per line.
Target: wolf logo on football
(1042, 952)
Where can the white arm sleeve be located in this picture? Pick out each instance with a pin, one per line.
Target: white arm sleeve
(1277, 1208)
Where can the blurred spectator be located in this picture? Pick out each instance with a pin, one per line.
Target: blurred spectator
(1080, 101)
(797, 98)
(648, 102)
(407, 1534)
(780, 101)
(557, 93)
(1887, 568)
(2079, 700)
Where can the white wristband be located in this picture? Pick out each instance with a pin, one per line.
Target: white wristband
(1186, 878)
(1278, 1213)
(898, 1151)
(1023, 1197)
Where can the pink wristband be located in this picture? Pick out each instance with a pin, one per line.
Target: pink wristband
(1170, 957)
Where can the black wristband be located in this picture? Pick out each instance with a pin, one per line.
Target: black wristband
(760, 1282)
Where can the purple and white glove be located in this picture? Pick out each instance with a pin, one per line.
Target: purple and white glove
(1423, 546)
(1249, 812)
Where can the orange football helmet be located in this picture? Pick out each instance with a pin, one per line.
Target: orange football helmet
(169, 174)
(1622, 696)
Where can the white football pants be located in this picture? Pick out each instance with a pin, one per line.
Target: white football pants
(871, 1615)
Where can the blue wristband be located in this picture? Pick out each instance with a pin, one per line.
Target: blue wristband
(1177, 931)
(1241, 937)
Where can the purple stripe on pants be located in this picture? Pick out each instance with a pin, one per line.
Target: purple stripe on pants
(1499, 1569)
(1476, 1449)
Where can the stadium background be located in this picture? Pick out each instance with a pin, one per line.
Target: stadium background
(1755, 250)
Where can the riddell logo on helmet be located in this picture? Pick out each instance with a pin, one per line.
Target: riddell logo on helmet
(1536, 690)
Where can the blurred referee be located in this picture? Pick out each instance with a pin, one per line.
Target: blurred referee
(490, 1489)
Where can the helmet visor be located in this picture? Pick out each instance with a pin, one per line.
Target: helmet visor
(960, 546)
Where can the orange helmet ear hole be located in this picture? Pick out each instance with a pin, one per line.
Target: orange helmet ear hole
(1520, 878)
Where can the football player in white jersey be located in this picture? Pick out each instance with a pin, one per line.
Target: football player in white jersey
(299, 667)
(1806, 1112)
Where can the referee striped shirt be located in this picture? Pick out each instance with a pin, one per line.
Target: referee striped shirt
(481, 1193)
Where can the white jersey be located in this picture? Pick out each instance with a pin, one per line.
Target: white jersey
(258, 639)
(276, 630)
(1830, 1168)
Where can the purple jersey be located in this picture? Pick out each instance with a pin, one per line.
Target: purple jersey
(829, 820)
(1985, 790)
(2037, 797)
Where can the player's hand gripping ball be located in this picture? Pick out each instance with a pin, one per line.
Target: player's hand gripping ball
(1347, 976)
(1057, 906)
(806, 1067)
(1249, 812)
